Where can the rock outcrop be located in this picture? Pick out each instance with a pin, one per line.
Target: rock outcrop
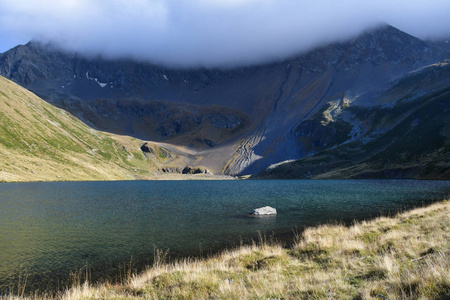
(195, 170)
(242, 120)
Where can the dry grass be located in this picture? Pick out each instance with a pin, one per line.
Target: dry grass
(404, 257)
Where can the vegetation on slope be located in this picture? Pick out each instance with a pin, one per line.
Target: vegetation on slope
(41, 142)
(409, 140)
(403, 257)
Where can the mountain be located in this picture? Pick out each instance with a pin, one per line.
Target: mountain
(443, 43)
(408, 140)
(41, 142)
(243, 120)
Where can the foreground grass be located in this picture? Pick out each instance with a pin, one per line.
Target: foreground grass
(403, 257)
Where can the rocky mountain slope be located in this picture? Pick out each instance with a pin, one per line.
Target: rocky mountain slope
(40, 142)
(408, 140)
(242, 120)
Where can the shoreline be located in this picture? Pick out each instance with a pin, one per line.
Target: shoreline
(174, 177)
(270, 256)
(200, 177)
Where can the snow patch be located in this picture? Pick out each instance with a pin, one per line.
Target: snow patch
(273, 166)
(101, 84)
(165, 77)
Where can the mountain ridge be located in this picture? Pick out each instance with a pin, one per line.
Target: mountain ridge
(241, 120)
(39, 142)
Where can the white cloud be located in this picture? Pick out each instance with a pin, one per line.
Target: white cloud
(212, 32)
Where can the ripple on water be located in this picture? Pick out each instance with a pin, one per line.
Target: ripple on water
(50, 229)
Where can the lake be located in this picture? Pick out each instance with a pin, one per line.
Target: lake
(48, 230)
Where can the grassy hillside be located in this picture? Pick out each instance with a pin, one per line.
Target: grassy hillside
(41, 142)
(403, 257)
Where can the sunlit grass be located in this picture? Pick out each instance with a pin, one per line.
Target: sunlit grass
(39, 142)
(402, 257)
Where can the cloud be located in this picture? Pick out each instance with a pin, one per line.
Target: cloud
(209, 33)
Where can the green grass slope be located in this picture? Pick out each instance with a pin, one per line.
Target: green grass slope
(39, 142)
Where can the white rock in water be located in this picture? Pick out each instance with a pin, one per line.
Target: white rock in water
(266, 210)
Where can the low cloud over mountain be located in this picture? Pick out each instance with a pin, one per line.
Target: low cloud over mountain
(211, 32)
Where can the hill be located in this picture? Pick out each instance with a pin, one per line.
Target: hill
(39, 142)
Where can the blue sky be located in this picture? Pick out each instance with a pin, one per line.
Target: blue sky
(9, 40)
(210, 32)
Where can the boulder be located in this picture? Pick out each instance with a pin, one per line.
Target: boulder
(195, 170)
(146, 148)
(266, 210)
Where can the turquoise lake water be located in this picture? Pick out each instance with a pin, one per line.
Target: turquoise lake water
(48, 230)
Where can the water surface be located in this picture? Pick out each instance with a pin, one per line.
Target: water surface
(50, 229)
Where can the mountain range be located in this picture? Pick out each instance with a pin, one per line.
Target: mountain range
(376, 106)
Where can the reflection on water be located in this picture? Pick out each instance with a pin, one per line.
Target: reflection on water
(49, 229)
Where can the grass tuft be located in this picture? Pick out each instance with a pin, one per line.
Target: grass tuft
(403, 257)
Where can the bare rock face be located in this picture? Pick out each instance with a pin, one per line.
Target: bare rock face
(333, 99)
(195, 170)
(146, 149)
(266, 210)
